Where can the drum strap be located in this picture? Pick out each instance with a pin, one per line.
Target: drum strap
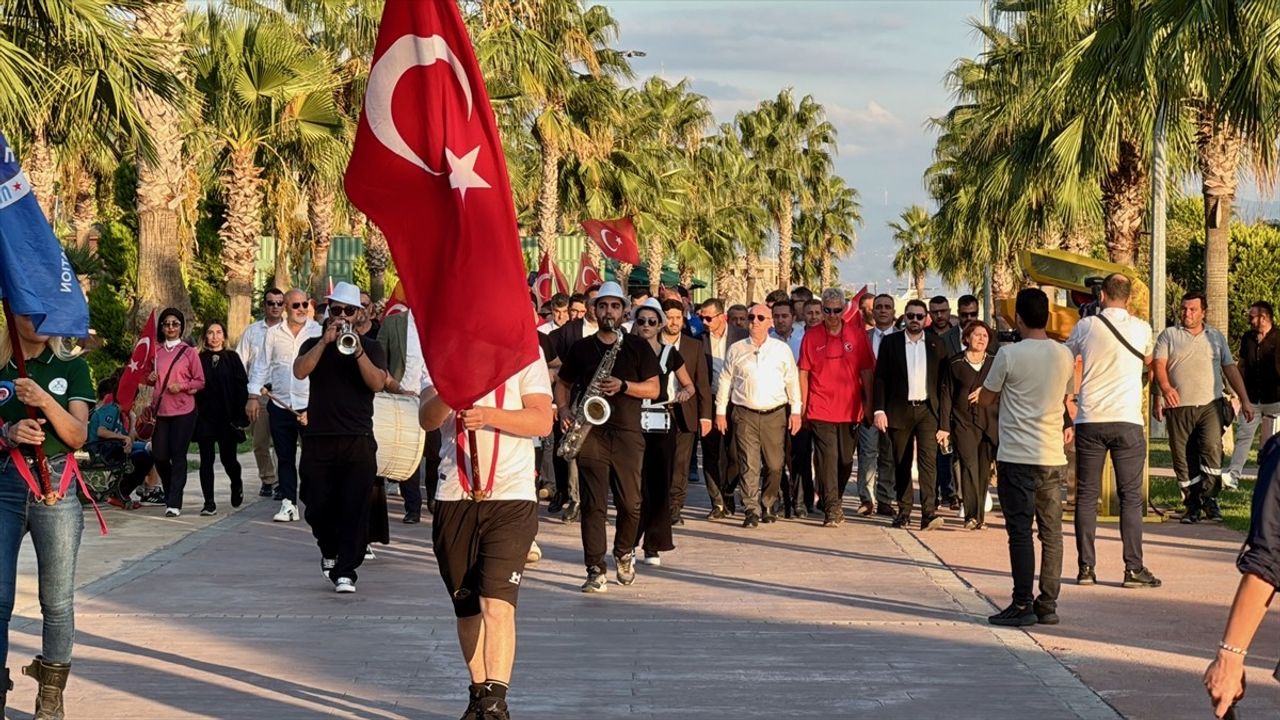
(460, 440)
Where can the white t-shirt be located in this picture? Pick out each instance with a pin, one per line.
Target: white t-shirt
(1111, 381)
(1032, 377)
(513, 469)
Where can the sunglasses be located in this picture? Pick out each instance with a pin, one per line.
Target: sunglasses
(708, 318)
(173, 323)
(348, 311)
(832, 311)
(759, 318)
(914, 316)
(299, 305)
(274, 303)
(647, 322)
(969, 316)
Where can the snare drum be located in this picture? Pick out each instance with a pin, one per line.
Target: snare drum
(400, 438)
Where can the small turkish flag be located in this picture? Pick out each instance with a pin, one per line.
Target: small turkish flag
(141, 364)
(617, 238)
(549, 280)
(588, 275)
(852, 311)
(428, 169)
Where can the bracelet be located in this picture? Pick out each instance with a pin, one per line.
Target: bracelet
(625, 385)
(1233, 649)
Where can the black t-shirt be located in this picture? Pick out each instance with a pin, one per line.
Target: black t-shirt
(341, 403)
(636, 362)
(675, 361)
(548, 346)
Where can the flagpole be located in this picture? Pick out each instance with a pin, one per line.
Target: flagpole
(473, 447)
(42, 465)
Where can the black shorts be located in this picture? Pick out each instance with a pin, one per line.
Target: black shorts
(481, 548)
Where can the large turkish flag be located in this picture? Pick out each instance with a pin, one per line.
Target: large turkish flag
(428, 168)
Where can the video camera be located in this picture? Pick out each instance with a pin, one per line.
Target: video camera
(1093, 306)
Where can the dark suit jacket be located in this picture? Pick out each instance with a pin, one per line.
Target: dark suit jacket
(563, 337)
(958, 380)
(733, 334)
(701, 405)
(890, 395)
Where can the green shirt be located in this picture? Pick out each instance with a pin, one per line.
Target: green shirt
(64, 380)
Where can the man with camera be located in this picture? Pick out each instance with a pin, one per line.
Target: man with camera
(1115, 349)
(339, 453)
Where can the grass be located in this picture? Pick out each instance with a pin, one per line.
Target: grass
(1236, 504)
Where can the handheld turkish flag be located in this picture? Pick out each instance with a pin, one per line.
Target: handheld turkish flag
(428, 169)
(141, 363)
(617, 238)
(852, 311)
(549, 280)
(588, 275)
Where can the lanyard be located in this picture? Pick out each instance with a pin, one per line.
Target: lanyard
(460, 439)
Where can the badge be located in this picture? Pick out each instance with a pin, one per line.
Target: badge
(848, 347)
(6, 391)
(58, 386)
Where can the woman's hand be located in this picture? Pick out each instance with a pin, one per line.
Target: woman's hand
(26, 432)
(151, 379)
(1224, 680)
(174, 388)
(973, 396)
(31, 394)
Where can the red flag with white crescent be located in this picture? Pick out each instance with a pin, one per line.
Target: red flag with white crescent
(428, 169)
(141, 363)
(588, 275)
(617, 238)
(549, 280)
(852, 311)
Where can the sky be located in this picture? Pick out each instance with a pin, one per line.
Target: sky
(877, 67)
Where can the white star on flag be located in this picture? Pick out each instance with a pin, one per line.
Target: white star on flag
(462, 171)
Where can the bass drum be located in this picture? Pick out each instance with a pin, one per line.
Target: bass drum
(400, 438)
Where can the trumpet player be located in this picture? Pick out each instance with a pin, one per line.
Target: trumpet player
(339, 453)
(613, 450)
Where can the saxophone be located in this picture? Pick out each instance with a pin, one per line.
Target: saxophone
(592, 408)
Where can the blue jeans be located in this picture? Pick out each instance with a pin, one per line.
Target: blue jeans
(55, 532)
(285, 432)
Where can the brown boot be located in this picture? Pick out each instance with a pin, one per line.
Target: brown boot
(53, 680)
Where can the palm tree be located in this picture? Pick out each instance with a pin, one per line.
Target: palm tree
(835, 217)
(788, 140)
(913, 233)
(262, 90)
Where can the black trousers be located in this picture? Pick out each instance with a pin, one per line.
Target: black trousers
(680, 469)
(609, 460)
(141, 463)
(1033, 492)
(340, 470)
(169, 445)
(720, 464)
(655, 502)
(1128, 447)
(976, 452)
(559, 466)
(797, 483)
(428, 471)
(834, 445)
(285, 432)
(915, 435)
(225, 446)
(1195, 442)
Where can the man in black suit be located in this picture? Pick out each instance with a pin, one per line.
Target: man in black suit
(906, 407)
(719, 458)
(693, 416)
(561, 339)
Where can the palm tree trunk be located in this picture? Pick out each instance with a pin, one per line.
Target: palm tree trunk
(549, 200)
(918, 281)
(41, 171)
(160, 181)
(1076, 241)
(654, 262)
(1124, 205)
(623, 275)
(241, 234)
(825, 264)
(785, 220)
(86, 207)
(1218, 153)
(282, 278)
(686, 277)
(320, 202)
(753, 261)
(376, 255)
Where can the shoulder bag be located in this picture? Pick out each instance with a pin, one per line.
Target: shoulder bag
(147, 419)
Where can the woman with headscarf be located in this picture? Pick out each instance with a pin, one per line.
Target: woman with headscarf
(659, 433)
(220, 416)
(60, 392)
(177, 378)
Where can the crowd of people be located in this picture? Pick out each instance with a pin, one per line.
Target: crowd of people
(778, 406)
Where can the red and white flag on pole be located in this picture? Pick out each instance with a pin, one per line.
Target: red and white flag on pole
(550, 280)
(617, 238)
(588, 275)
(141, 363)
(853, 311)
(428, 169)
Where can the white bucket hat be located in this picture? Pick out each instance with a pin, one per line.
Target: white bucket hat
(345, 293)
(611, 290)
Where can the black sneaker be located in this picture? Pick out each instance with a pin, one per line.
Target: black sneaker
(1045, 616)
(751, 520)
(1014, 616)
(1140, 578)
(492, 708)
(1086, 576)
(237, 495)
(1191, 517)
(473, 706)
(1211, 510)
(900, 521)
(267, 490)
(571, 513)
(597, 582)
(555, 505)
(209, 510)
(717, 513)
(412, 518)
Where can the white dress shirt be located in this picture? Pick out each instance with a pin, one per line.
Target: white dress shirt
(797, 337)
(275, 364)
(250, 346)
(415, 365)
(917, 368)
(760, 378)
(1111, 376)
(875, 335)
(719, 347)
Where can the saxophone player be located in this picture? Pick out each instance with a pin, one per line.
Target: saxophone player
(615, 448)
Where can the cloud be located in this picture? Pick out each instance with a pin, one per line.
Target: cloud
(720, 91)
(873, 114)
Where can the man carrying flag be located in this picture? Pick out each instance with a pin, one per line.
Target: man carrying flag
(428, 169)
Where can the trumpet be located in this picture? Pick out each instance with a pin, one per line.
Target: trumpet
(348, 340)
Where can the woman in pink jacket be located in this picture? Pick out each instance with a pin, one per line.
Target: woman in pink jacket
(177, 377)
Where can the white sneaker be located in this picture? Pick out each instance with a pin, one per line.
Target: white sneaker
(288, 512)
(535, 553)
(344, 585)
(368, 554)
(651, 560)
(327, 564)
(172, 512)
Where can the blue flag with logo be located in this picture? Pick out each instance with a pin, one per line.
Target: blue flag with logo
(35, 277)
